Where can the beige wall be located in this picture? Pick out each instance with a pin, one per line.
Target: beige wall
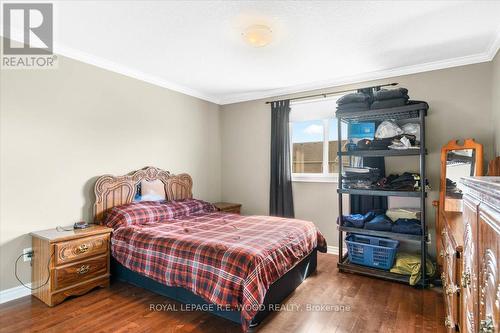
(496, 102)
(460, 107)
(62, 128)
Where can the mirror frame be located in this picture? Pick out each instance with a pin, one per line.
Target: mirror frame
(454, 145)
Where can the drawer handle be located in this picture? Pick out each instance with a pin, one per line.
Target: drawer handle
(83, 270)
(451, 289)
(448, 323)
(486, 325)
(83, 248)
(465, 279)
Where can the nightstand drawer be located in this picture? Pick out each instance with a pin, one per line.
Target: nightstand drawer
(81, 248)
(232, 210)
(79, 272)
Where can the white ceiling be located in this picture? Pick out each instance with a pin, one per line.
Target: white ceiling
(195, 46)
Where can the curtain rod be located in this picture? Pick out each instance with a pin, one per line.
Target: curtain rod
(334, 93)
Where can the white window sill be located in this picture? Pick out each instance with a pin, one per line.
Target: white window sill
(315, 178)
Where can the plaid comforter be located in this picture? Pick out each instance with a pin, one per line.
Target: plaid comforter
(227, 259)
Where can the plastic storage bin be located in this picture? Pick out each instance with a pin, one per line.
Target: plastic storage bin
(371, 251)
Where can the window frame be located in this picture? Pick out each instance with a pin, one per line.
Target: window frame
(325, 176)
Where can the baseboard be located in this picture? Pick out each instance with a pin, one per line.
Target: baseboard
(14, 293)
(332, 250)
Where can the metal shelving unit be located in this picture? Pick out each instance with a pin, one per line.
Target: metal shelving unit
(416, 112)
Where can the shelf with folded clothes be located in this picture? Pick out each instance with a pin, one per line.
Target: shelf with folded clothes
(388, 234)
(395, 223)
(381, 152)
(386, 193)
(408, 111)
(367, 181)
(406, 269)
(346, 266)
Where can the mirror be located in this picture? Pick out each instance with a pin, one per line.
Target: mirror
(458, 161)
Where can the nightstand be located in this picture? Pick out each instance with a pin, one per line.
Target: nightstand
(228, 207)
(74, 262)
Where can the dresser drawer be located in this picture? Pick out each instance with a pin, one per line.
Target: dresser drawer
(79, 272)
(81, 248)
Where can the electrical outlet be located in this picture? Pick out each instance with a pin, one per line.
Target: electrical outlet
(27, 254)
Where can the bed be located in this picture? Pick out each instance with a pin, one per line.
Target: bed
(237, 267)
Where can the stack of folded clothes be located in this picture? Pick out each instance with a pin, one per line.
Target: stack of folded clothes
(407, 226)
(389, 98)
(380, 221)
(403, 213)
(360, 178)
(410, 264)
(406, 220)
(353, 102)
(406, 182)
(359, 220)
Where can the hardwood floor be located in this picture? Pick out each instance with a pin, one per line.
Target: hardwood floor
(375, 306)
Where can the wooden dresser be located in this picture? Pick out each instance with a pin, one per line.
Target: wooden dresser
(71, 262)
(469, 251)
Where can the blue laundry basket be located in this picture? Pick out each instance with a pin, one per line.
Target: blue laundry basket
(371, 251)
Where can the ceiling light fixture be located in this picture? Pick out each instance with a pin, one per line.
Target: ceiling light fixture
(257, 35)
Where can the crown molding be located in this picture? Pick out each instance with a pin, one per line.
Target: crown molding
(120, 69)
(377, 75)
(131, 72)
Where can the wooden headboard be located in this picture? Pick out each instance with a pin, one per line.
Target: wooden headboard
(111, 191)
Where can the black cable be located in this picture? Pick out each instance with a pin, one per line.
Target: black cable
(48, 271)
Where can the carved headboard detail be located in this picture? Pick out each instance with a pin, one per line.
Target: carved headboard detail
(111, 191)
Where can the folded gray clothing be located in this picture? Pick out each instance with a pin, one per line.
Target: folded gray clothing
(384, 94)
(358, 106)
(352, 110)
(389, 103)
(353, 98)
(353, 105)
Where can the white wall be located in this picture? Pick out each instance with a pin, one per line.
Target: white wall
(460, 107)
(62, 128)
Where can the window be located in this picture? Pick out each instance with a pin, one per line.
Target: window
(313, 131)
